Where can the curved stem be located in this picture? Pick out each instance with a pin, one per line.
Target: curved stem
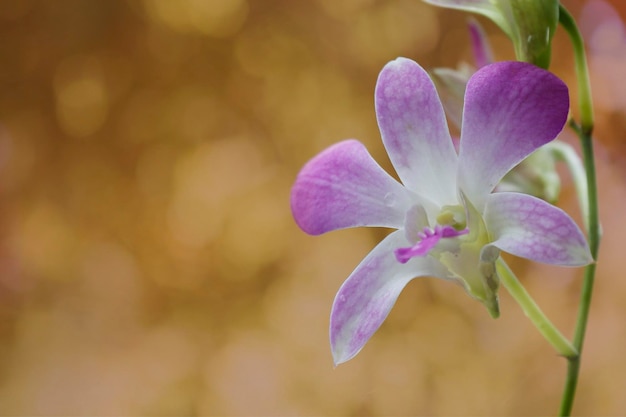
(533, 312)
(584, 133)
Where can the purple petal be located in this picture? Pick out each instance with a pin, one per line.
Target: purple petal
(344, 187)
(414, 130)
(528, 227)
(511, 109)
(366, 297)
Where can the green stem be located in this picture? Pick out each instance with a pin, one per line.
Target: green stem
(584, 133)
(534, 313)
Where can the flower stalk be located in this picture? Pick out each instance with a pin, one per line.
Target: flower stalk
(584, 130)
(533, 312)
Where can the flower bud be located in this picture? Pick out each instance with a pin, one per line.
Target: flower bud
(529, 23)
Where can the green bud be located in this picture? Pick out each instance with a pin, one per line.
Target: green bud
(533, 25)
(529, 23)
(536, 175)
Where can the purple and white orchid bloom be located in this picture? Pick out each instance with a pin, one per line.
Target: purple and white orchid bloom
(449, 223)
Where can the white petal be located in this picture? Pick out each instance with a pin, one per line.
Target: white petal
(414, 130)
(366, 297)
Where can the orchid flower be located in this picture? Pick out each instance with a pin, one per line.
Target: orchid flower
(448, 222)
(530, 24)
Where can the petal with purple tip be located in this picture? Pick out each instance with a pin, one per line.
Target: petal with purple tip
(528, 227)
(366, 297)
(414, 130)
(342, 187)
(511, 109)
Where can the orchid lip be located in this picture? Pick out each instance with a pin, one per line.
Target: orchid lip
(429, 238)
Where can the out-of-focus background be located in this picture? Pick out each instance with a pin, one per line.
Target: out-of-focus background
(149, 264)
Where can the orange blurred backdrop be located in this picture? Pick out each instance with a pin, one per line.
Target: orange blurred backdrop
(149, 264)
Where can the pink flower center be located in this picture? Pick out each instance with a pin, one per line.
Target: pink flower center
(428, 239)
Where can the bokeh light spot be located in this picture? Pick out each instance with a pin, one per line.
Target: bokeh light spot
(216, 18)
(45, 242)
(81, 96)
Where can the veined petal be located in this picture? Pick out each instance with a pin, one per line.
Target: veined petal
(511, 109)
(531, 228)
(414, 130)
(342, 187)
(366, 297)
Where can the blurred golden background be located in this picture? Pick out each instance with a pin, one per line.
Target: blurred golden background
(149, 264)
